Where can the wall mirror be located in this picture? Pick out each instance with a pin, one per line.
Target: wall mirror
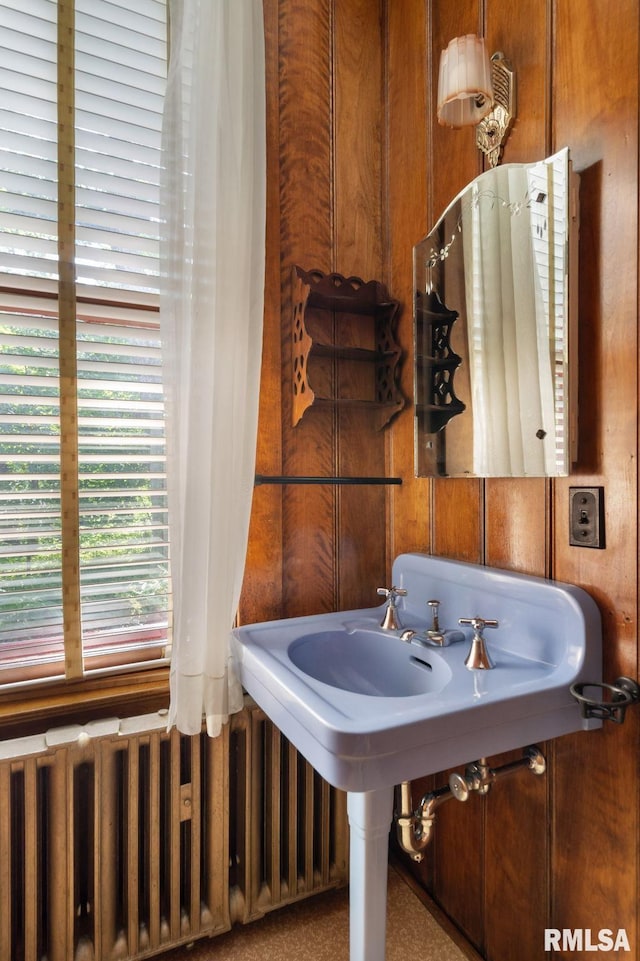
(495, 375)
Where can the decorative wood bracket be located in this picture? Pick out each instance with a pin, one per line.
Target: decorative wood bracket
(347, 300)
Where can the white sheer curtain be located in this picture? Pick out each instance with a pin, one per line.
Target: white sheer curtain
(211, 323)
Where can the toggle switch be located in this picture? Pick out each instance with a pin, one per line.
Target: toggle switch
(586, 517)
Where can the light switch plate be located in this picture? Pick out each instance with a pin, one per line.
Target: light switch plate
(586, 517)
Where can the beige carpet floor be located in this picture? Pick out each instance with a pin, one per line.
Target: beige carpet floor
(317, 929)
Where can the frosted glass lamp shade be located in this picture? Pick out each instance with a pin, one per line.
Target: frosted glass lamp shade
(465, 94)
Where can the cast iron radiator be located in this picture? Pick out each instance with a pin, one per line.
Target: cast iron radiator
(119, 840)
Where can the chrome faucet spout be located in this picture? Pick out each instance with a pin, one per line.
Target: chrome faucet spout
(434, 636)
(438, 636)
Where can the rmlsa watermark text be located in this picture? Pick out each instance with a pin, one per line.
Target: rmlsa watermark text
(585, 939)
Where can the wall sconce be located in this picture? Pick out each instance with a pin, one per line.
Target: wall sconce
(476, 91)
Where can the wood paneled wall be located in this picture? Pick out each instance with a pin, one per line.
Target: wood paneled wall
(560, 851)
(358, 172)
(319, 548)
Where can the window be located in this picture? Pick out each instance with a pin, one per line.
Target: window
(84, 573)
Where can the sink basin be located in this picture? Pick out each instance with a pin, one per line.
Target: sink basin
(369, 710)
(369, 662)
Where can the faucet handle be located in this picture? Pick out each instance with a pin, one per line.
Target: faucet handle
(478, 659)
(390, 621)
(392, 592)
(478, 623)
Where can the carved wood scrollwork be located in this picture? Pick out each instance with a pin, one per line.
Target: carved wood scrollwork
(325, 306)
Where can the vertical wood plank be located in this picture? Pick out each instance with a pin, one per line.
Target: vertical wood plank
(357, 45)
(517, 864)
(517, 511)
(358, 237)
(457, 850)
(457, 504)
(408, 215)
(445, 517)
(595, 839)
(522, 32)
(361, 541)
(262, 586)
(517, 524)
(306, 238)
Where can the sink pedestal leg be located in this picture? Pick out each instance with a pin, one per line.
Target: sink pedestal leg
(370, 816)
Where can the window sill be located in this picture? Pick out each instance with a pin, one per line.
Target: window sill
(76, 702)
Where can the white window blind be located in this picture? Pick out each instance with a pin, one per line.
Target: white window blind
(119, 75)
(28, 145)
(120, 69)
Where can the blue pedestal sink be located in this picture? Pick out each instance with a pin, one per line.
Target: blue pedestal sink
(368, 709)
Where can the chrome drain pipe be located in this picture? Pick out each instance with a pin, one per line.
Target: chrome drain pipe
(415, 828)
